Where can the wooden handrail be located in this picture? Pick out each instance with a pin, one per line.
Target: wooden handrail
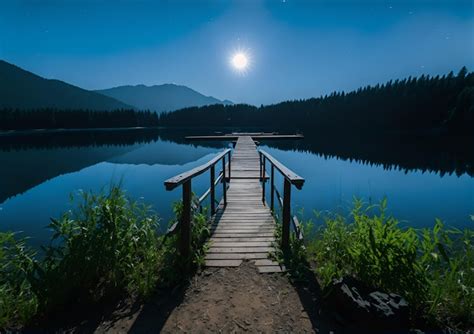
(184, 222)
(177, 180)
(208, 191)
(287, 173)
(290, 178)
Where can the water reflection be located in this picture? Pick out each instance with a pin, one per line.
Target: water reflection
(39, 171)
(29, 160)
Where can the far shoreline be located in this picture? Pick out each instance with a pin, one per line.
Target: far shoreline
(61, 130)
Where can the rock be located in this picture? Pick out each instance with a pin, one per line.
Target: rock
(357, 305)
(390, 307)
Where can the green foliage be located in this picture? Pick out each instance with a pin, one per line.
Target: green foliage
(432, 268)
(295, 258)
(449, 263)
(18, 303)
(174, 267)
(108, 246)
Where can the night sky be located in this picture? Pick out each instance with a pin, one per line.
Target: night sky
(297, 49)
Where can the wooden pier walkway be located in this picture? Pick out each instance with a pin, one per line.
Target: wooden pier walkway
(245, 228)
(242, 225)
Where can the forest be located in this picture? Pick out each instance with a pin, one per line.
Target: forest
(413, 105)
(49, 118)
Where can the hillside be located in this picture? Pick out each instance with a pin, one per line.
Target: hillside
(24, 90)
(416, 105)
(159, 98)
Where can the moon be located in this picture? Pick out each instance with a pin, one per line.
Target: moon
(240, 61)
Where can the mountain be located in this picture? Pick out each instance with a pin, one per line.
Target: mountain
(167, 97)
(25, 90)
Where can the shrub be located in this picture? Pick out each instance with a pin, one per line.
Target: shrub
(105, 247)
(18, 303)
(174, 268)
(432, 268)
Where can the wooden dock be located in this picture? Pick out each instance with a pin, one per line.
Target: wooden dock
(252, 135)
(242, 225)
(245, 228)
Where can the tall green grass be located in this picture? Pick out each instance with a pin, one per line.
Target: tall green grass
(200, 232)
(18, 302)
(108, 247)
(432, 268)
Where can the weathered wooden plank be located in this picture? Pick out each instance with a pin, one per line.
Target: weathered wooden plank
(241, 250)
(223, 263)
(244, 228)
(249, 238)
(246, 223)
(243, 235)
(270, 269)
(266, 262)
(230, 244)
(237, 256)
(240, 231)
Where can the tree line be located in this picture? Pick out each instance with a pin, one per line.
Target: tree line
(410, 106)
(48, 118)
(404, 106)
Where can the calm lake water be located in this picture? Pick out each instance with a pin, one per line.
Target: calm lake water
(38, 174)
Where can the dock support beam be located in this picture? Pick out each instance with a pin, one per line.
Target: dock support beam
(212, 191)
(263, 180)
(286, 215)
(272, 189)
(224, 183)
(185, 228)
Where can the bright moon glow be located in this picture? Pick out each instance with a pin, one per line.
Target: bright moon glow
(240, 61)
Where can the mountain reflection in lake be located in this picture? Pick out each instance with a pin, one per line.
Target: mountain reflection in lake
(39, 172)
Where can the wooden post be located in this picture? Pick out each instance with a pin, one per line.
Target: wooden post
(260, 164)
(272, 189)
(286, 215)
(213, 194)
(229, 165)
(263, 181)
(185, 229)
(224, 184)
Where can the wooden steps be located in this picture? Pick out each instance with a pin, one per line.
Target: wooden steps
(245, 228)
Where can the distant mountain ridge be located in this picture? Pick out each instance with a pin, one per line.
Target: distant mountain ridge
(159, 98)
(24, 90)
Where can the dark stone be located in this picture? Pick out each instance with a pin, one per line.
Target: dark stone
(359, 306)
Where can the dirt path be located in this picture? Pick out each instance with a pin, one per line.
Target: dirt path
(226, 300)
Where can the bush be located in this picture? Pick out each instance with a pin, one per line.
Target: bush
(18, 303)
(174, 268)
(106, 247)
(432, 268)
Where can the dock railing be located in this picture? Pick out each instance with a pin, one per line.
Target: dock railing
(290, 179)
(184, 179)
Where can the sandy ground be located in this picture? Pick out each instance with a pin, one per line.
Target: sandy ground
(225, 300)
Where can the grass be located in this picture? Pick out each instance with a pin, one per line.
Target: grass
(18, 302)
(200, 232)
(432, 268)
(107, 248)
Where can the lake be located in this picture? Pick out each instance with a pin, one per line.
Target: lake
(39, 173)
